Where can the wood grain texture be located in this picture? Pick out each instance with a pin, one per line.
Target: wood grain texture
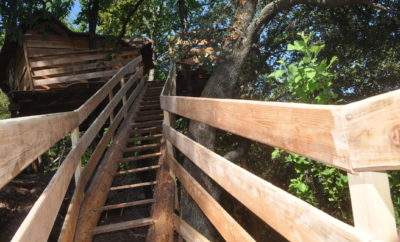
(55, 60)
(304, 129)
(229, 229)
(373, 131)
(122, 226)
(38, 223)
(74, 78)
(290, 216)
(186, 231)
(24, 139)
(372, 205)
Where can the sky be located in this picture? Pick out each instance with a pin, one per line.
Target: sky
(74, 11)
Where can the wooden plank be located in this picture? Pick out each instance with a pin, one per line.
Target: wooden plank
(74, 78)
(39, 221)
(163, 207)
(69, 226)
(24, 139)
(96, 194)
(122, 226)
(128, 204)
(186, 231)
(54, 61)
(48, 44)
(79, 68)
(373, 131)
(372, 205)
(74, 141)
(87, 108)
(290, 216)
(305, 129)
(140, 169)
(141, 157)
(142, 147)
(130, 186)
(229, 229)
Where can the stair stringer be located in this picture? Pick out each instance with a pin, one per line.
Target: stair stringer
(96, 194)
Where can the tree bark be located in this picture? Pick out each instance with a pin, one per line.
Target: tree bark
(93, 13)
(244, 32)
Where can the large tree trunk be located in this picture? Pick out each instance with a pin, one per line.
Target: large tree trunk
(93, 13)
(244, 32)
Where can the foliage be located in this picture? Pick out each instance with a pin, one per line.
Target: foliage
(4, 113)
(309, 79)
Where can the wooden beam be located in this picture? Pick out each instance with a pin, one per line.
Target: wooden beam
(290, 216)
(54, 60)
(373, 132)
(122, 226)
(39, 221)
(74, 78)
(372, 205)
(96, 194)
(229, 229)
(74, 141)
(186, 231)
(24, 139)
(309, 130)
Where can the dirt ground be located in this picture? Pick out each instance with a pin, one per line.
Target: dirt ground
(18, 197)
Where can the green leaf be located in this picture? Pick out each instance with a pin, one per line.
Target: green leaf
(277, 74)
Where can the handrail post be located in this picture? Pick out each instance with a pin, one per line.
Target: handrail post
(372, 205)
(124, 98)
(110, 97)
(74, 141)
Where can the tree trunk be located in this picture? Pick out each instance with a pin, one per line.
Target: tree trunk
(93, 13)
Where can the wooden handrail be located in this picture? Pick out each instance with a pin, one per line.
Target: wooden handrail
(360, 138)
(24, 139)
(38, 223)
(363, 136)
(279, 209)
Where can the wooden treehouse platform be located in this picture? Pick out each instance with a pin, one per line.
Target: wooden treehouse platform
(127, 189)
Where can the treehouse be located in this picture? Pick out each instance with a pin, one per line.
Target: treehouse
(51, 68)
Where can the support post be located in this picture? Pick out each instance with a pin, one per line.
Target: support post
(372, 205)
(74, 141)
(110, 97)
(124, 98)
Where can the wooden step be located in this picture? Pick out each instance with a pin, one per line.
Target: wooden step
(136, 170)
(153, 117)
(148, 112)
(142, 147)
(122, 226)
(145, 138)
(127, 204)
(130, 186)
(146, 103)
(147, 124)
(141, 157)
(147, 107)
(150, 130)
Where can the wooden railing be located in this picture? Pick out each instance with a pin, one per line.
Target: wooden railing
(23, 140)
(361, 138)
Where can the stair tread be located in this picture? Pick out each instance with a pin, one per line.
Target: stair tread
(142, 147)
(146, 137)
(146, 168)
(141, 157)
(135, 185)
(122, 226)
(127, 204)
(146, 124)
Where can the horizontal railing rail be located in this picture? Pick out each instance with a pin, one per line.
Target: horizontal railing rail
(31, 136)
(360, 138)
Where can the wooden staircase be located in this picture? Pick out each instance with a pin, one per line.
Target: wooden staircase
(126, 213)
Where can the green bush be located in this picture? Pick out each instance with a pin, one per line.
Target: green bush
(4, 113)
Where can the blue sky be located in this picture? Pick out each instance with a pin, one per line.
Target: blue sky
(74, 11)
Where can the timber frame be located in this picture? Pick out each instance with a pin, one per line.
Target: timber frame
(362, 139)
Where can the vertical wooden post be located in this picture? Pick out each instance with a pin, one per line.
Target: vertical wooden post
(110, 97)
(372, 205)
(124, 98)
(74, 141)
